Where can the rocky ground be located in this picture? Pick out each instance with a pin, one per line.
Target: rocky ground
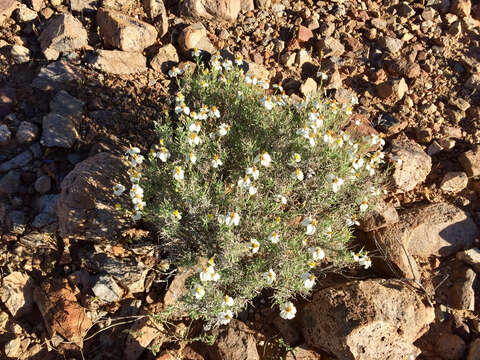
(82, 79)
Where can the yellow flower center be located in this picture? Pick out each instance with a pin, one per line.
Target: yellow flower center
(288, 309)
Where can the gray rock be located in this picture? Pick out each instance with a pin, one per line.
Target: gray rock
(58, 131)
(38, 240)
(66, 105)
(24, 14)
(470, 257)
(47, 203)
(63, 34)
(26, 132)
(43, 184)
(83, 6)
(393, 45)
(106, 289)
(128, 272)
(55, 76)
(17, 222)
(20, 54)
(43, 219)
(16, 293)
(119, 62)
(405, 10)
(18, 161)
(454, 181)
(5, 135)
(10, 182)
(462, 293)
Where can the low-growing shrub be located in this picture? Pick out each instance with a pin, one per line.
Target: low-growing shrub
(266, 188)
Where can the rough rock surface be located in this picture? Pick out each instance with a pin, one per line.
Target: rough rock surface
(435, 229)
(141, 334)
(383, 215)
(16, 293)
(58, 131)
(56, 76)
(371, 319)
(195, 36)
(212, 9)
(124, 32)
(86, 208)
(414, 167)
(166, 58)
(234, 342)
(64, 33)
(470, 161)
(157, 12)
(61, 311)
(119, 62)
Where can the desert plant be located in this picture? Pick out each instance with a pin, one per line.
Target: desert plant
(264, 187)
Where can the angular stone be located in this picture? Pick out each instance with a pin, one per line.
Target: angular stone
(303, 352)
(86, 207)
(234, 342)
(106, 289)
(13, 348)
(470, 257)
(367, 320)
(309, 87)
(124, 32)
(425, 230)
(24, 14)
(66, 105)
(119, 62)
(330, 47)
(18, 161)
(84, 6)
(470, 161)
(26, 132)
(463, 292)
(58, 131)
(454, 181)
(63, 34)
(393, 45)
(141, 335)
(383, 215)
(392, 88)
(20, 54)
(61, 312)
(16, 293)
(7, 7)
(414, 167)
(119, 5)
(156, 11)
(211, 9)
(166, 58)
(56, 76)
(195, 36)
(177, 289)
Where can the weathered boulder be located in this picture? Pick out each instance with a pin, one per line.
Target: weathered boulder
(124, 32)
(212, 9)
(412, 164)
(58, 131)
(166, 58)
(64, 33)
(454, 181)
(61, 312)
(7, 7)
(195, 36)
(234, 342)
(425, 230)
(86, 207)
(119, 62)
(157, 12)
(372, 319)
(56, 76)
(382, 215)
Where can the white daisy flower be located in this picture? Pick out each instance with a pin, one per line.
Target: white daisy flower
(182, 108)
(296, 158)
(281, 199)
(270, 276)
(118, 189)
(136, 159)
(198, 291)
(311, 139)
(177, 215)
(216, 161)
(224, 317)
(194, 139)
(352, 221)
(133, 150)
(316, 253)
(254, 246)
(163, 154)
(274, 237)
(206, 273)
(244, 182)
(174, 72)
(179, 98)
(196, 52)
(233, 219)
(178, 173)
(329, 232)
(135, 176)
(137, 216)
(335, 181)
(364, 205)
(253, 171)
(214, 112)
(328, 138)
(297, 174)
(223, 129)
(195, 127)
(287, 311)
(310, 225)
(221, 219)
(322, 75)
(239, 60)
(308, 280)
(252, 189)
(249, 79)
(139, 206)
(191, 157)
(228, 301)
(358, 163)
(365, 261)
(267, 102)
(264, 159)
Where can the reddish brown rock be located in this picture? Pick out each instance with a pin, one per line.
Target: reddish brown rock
(64, 33)
(412, 164)
(211, 9)
(125, 32)
(141, 335)
(61, 312)
(234, 342)
(330, 47)
(195, 36)
(383, 215)
(86, 207)
(119, 62)
(450, 347)
(16, 293)
(304, 34)
(367, 320)
(395, 89)
(303, 352)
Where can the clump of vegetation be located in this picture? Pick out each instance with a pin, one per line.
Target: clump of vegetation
(266, 188)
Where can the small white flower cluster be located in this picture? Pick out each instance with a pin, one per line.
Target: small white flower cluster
(362, 259)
